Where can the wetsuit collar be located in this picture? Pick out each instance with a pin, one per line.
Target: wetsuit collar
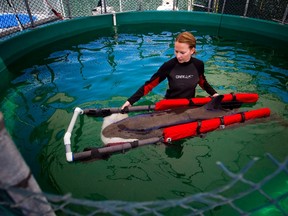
(185, 63)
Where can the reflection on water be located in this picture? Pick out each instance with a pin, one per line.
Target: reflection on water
(103, 72)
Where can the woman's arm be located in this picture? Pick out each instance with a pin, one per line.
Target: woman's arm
(156, 78)
(206, 86)
(203, 83)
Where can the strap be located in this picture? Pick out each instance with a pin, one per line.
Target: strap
(105, 112)
(149, 108)
(2, 125)
(191, 103)
(243, 118)
(125, 110)
(96, 154)
(233, 96)
(222, 123)
(134, 144)
(199, 123)
(24, 182)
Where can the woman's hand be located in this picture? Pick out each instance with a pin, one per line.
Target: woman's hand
(215, 95)
(126, 104)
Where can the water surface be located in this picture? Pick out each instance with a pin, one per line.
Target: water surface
(103, 70)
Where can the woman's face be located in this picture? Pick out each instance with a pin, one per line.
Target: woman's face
(183, 52)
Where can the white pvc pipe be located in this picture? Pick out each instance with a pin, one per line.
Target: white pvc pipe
(114, 18)
(67, 137)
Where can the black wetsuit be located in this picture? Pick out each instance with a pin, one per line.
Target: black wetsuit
(182, 78)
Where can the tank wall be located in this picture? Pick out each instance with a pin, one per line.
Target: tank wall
(254, 29)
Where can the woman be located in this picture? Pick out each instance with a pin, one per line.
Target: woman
(183, 72)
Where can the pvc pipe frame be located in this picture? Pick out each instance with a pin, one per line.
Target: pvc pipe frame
(70, 156)
(123, 147)
(67, 137)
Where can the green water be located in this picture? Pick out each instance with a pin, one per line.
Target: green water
(102, 69)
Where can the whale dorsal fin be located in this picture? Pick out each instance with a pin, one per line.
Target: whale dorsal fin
(215, 103)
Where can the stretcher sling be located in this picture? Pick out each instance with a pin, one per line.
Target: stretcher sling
(228, 101)
(170, 134)
(231, 100)
(195, 128)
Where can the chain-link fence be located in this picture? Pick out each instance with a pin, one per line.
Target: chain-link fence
(219, 200)
(19, 15)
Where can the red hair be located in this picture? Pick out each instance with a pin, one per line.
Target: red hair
(188, 38)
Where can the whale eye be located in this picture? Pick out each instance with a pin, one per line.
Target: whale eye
(121, 127)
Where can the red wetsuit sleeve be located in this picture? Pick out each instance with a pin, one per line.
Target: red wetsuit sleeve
(158, 77)
(203, 83)
(145, 89)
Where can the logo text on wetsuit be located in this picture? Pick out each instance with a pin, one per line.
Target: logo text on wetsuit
(184, 76)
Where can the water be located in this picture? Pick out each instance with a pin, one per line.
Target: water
(102, 69)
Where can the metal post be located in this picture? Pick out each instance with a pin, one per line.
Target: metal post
(209, 6)
(105, 6)
(223, 7)
(189, 5)
(216, 6)
(120, 5)
(68, 8)
(29, 12)
(173, 7)
(285, 15)
(246, 8)
(15, 174)
(102, 3)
